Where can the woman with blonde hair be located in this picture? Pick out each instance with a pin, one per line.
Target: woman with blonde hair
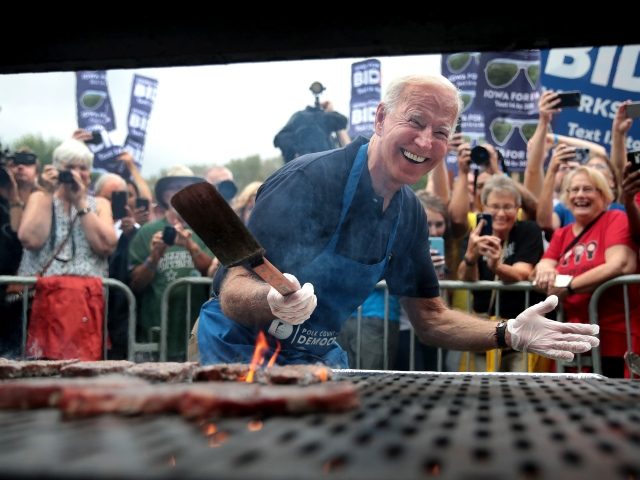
(594, 249)
(243, 203)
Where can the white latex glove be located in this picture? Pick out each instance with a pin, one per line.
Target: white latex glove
(296, 307)
(532, 332)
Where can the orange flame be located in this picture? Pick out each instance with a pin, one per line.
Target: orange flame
(210, 429)
(323, 374)
(254, 425)
(272, 360)
(258, 356)
(259, 353)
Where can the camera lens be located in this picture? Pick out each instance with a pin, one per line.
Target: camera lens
(480, 156)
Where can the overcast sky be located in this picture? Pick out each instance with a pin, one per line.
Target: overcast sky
(202, 115)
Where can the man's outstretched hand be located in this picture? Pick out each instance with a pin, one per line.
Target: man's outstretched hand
(532, 332)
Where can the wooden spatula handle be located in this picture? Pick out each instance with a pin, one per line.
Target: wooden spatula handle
(274, 277)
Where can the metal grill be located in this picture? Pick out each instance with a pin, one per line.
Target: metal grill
(410, 426)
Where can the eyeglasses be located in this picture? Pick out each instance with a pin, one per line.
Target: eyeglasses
(438, 224)
(586, 189)
(599, 166)
(501, 72)
(458, 62)
(502, 129)
(567, 168)
(505, 208)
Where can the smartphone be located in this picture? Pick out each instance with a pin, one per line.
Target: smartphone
(582, 155)
(569, 99)
(142, 203)
(96, 138)
(458, 126)
(437, 243)
(487, 229)
(633, 110)
(634, 159)
(119, 204)
(169, 235)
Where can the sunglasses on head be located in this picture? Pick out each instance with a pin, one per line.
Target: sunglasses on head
(24, 158)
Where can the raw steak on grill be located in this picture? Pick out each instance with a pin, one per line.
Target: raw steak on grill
(289, 374)
(297, 374)
(208, 399)
(93, 369)
(231, 372)
(31, 368)
(167, 372)
(46, 392)
(226, 399)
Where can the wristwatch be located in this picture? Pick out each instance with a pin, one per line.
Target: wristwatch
(569, 289)
(83, 211)
(501, 329)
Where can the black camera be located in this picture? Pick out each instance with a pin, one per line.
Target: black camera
(65, 176)
(480, 156)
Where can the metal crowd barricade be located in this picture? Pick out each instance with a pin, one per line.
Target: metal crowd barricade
(625, 281)
(484, 285)
(107, 283)
(444, 285)
(164, 310)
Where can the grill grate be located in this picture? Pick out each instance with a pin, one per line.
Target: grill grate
(463, 426)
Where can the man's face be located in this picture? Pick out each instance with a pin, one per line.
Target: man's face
(414, 136)
(25, 174)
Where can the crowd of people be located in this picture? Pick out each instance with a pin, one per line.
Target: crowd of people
(567, 227)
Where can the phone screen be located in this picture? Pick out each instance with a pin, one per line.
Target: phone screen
(142, 203)
(169, 235)
(633, 110)
(437, 244)
(118, 204)
(634, 159)
(487, 229)
(569, 99)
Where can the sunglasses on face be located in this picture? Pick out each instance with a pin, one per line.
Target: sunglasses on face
(458, 62)
(502, 129)
(501, 72)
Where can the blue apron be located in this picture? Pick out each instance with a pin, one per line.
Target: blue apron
(341, 285)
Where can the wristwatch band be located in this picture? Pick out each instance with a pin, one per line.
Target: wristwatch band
(83, 211)
(468, 262)
(569, 289)
(501, 329)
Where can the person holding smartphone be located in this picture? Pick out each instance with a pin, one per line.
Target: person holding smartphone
(161, 252)
(503, 249)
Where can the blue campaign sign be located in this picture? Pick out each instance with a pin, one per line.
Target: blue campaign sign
(605, 76)
(365, 97)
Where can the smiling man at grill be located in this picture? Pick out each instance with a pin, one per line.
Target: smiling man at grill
(341, 221)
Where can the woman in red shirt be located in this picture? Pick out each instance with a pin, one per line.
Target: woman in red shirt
(604, 250)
